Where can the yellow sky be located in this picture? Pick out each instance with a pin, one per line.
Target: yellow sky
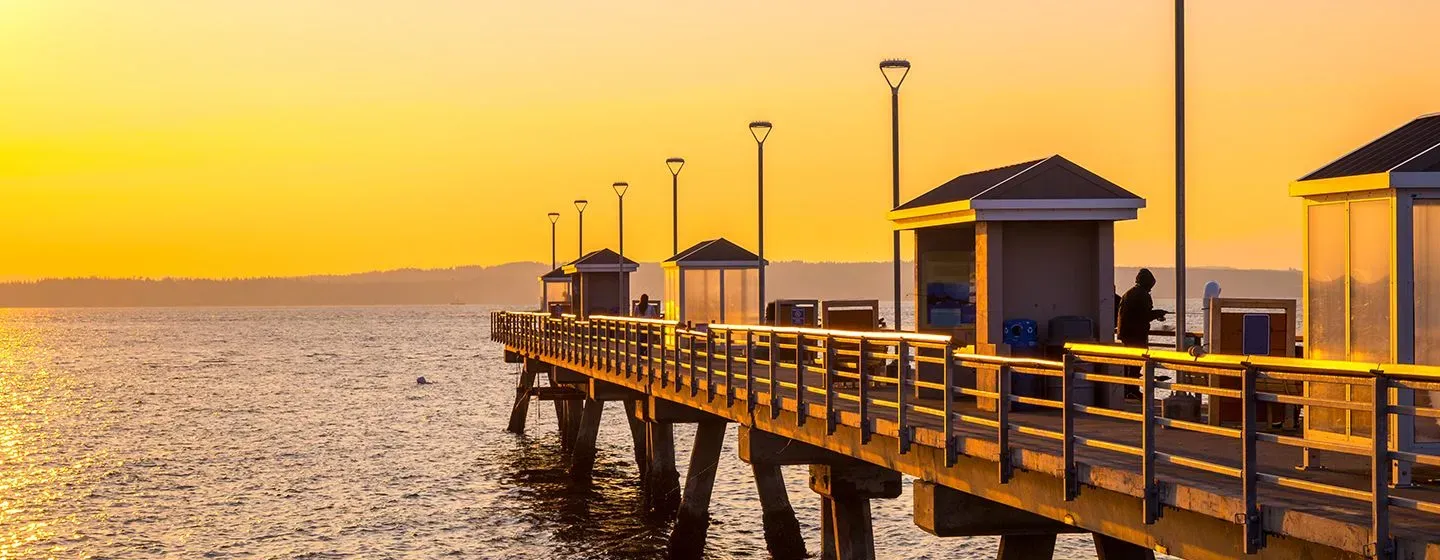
(279, 137)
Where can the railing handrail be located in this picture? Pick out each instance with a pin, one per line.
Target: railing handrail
(810, 331)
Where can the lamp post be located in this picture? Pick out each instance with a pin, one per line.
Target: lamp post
(554, 217)
(580, 205)
(620, 188)
(1180, 175)
(760, 130)
(895, 71)
(675, 164)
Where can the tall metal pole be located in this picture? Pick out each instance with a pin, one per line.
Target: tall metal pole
(620, 286)
(760, 130)
(760, 210)
(553, 218)
(675, 164)
(1180, 175)
(580, 207)
(895, 71)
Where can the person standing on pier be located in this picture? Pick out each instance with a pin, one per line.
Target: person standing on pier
(1136, 311)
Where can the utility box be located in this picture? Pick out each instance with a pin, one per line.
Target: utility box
(1033, 240)
(1251, 327)
(1372, 274)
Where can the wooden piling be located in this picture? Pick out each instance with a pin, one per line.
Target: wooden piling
(583, 461)
(637, 439)
(827, 529)
(521, 408)
(1026, 547)
(570, 427)
(692, 522)
(664, 479)
(1110, 548)
(782, 531)
(854, 535)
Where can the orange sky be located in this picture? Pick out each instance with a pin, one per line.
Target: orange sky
(279, 137)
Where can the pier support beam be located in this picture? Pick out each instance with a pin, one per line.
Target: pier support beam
(583, 462)
(782, 531)
(1026, 547)
(946, 512)
(692, 522)
(663, 497)
(1110, 548)
(827, 529)
(637, 439)
(521, 408)
(849, 487)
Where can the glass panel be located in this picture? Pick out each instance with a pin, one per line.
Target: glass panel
(557, 292)
(741, 297)
(1427, 307)
(1326, 230)
(1370, 232)
(671, 298)
(947, 277)
(702, 296)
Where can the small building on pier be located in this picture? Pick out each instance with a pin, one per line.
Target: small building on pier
(1017, 261)
(714, 281)
(600, 283)
(1372, 273)
(1032, 241)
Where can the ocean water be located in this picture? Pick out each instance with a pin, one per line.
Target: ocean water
(301, 433)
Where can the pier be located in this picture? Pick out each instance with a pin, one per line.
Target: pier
(862, 409)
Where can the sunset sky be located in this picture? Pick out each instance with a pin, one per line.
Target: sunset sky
(281, 137)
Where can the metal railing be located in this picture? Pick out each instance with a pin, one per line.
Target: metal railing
(909, 381)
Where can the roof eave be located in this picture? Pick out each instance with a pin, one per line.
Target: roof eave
(1352, 183)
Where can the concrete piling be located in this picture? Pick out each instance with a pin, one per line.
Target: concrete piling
(782, 531)
(521, 408)
(1110, 548)
(1026, 547)
(663, 498)
(848, 487)
(583, 461)
(692, 521)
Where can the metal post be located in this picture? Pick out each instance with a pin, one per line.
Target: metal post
(895, 190)
(902, 416)
(1002, 418)
(1249, 464)
(760, 208)
(620, 275)
(1180, 175)
(1380, 467)
(1151, 499)
(952, 451)
(1067, 429)
(801, 408)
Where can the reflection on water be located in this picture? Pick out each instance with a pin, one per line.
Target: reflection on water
(237, 433)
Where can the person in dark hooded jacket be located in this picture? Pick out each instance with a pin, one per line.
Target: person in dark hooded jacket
(1136, 311)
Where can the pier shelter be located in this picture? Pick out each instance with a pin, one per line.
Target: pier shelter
(555, 292)
(714, 281)
(1031, 243)
(599, 283)
(1372, 274)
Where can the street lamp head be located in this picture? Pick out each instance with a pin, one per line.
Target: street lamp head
(620, 188)
(760, 130)
(554, 217)
(894, 70)
(581, 204)
(675, 164)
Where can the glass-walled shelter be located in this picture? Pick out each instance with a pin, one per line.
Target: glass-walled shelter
(715, 281)
(555, 292)
(600, 283)
(1372, 272)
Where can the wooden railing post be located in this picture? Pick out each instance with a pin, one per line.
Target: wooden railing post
(947, 424)
(902, 416)
(1151, 499)
(774, 392)
(729, 369)
(863, 391)
(831, 421)
(801, 409)
(1380, 467)
(750, 371)
(1002, 417)
(1067, 430)
(1254, 532)
(709, 365)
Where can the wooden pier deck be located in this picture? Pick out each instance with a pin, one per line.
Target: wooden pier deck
(1123, 472)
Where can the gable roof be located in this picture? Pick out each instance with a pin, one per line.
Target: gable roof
(556, 275)
(602, 260)
(1415, 146)
(1054, 178)
(714, 250)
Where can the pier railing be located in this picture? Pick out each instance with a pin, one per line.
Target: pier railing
(901, 383)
